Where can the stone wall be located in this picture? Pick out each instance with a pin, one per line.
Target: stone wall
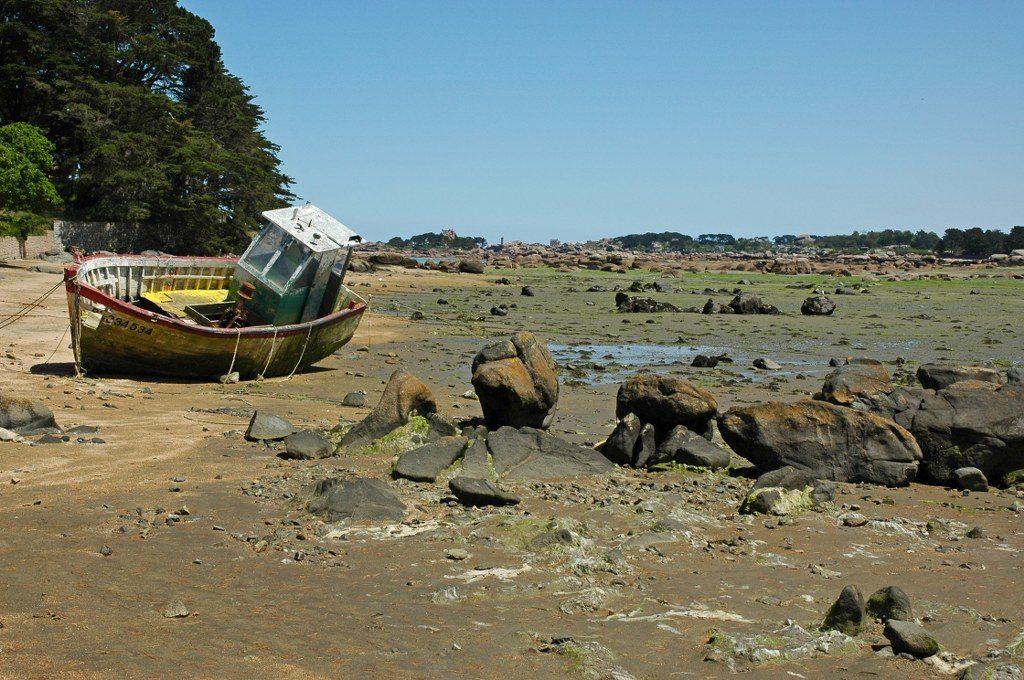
(116, 237)
(12, 248)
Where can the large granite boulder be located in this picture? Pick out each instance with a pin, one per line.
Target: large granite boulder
(940, 376)
(666, 403)
(969, 424)
(858, 383)
(516, 382)
(529, 454)
(404, 396)
(833, 442)
(25, 416)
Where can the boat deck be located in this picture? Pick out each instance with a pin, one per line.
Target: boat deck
(175, 302)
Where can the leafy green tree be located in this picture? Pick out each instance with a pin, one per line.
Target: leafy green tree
(26, 157)
(148, 123)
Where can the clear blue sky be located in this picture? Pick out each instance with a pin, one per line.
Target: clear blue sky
(576, 120)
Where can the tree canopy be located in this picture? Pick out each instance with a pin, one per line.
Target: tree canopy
(26, 157)
(147, 122)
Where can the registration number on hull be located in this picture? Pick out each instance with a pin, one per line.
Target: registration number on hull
(128, 325)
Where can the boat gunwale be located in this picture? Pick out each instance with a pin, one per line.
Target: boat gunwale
(90, 292)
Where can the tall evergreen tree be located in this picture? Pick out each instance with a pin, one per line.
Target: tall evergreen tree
(148, 123)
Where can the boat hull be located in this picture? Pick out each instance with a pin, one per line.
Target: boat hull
(113, 336)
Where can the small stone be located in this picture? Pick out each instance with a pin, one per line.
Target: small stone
(970, 479)
(175, 610)
(354, 399)
(457, 554)
(977, 532)
(854, 519)
(766, 364)
(106, 551)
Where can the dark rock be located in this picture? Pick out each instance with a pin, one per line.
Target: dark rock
(479, 492)
(25, 416)
(354, 399)
(890, 602)
(818, 305)
(766, 364)
(427, 462)
(528, 454)
(356, 499)
(748, 303)
(939, 377)
(499, 310)
(1015, 376)
(979, 671)
(1012, 479)
(910, 638)
(689, 448)
(969, 424)
(307, 445)
(265, 426)
(625, 303)
(970, 478)
(404, 396)
(471, 266)
(847, 613)
(712, 306)
(527, 291)
(787, 477)
(646, 446)
(666, 402)
(50, 438)
(834, 443)
(393, 259)
(619, 447)
(516, 382)
(704, 361)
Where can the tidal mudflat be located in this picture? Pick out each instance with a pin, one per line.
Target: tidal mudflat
(164, 543)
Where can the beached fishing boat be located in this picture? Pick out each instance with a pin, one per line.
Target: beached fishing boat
(280, 307)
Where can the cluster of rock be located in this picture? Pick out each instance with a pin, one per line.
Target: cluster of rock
(851, 614)
(606, 256)
(743, 303)
(664, 420)
(962, 417)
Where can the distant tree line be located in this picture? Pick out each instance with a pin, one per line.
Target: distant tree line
(146, 122)
(970, 243)
(445, 239)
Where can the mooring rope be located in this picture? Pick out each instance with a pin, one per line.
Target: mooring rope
(238, 339)
(302, 353)
(273, 346)
(28, 307)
